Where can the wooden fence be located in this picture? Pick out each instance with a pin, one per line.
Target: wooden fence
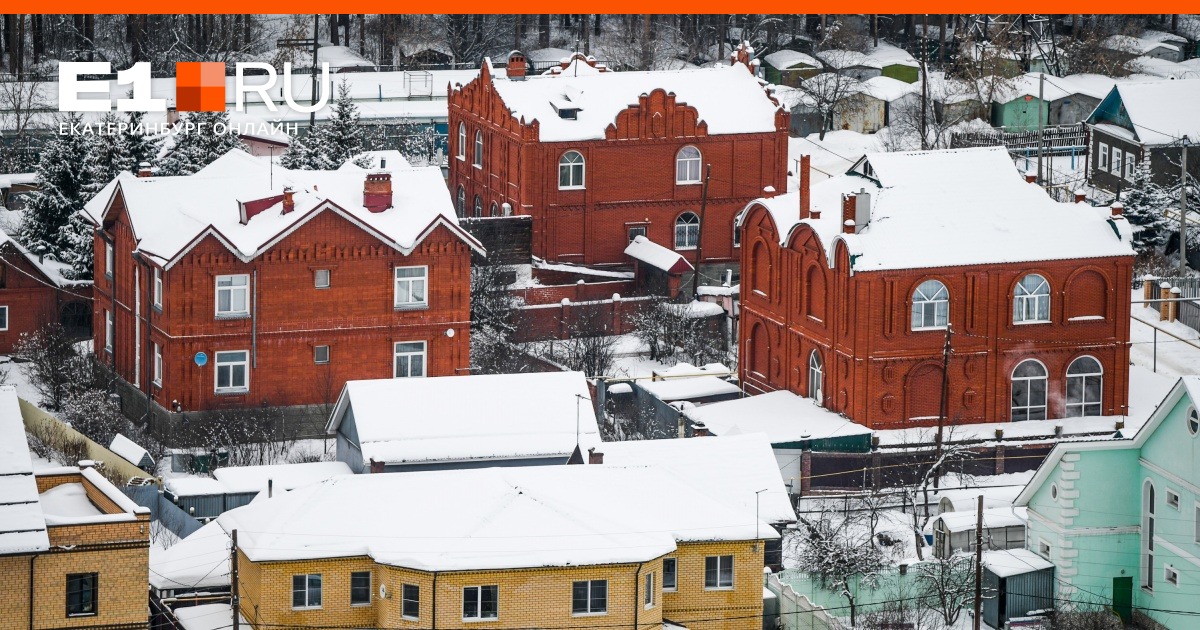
(1065, 140)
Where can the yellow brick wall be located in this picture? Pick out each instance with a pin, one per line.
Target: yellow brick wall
(739, 608)
(14, 592)
(123, 587)
(99, 533)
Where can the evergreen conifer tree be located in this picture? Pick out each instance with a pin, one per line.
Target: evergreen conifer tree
(108, 155)
(64, 180)
(328, 146)
(139, 146)
(1145, 202)
(197, 145)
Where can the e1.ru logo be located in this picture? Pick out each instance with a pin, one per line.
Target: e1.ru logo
(200, 86)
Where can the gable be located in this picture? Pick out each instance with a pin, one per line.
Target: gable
(657, 115)
(1171, 445)
(1111, 110)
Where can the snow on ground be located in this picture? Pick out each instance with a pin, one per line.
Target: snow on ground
(12, 373)
(1175, 358)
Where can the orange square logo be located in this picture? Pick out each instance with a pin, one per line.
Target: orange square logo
(200, 87)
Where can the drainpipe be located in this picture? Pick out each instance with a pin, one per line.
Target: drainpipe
(254, 325)
(31, 559)
(149, 363)
(637, 600)
(433, 615)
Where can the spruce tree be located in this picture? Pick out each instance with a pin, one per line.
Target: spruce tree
(63, 183)
(108, 155)
(139, 146)
(197, 144)
(1144, 203)
(328, 146)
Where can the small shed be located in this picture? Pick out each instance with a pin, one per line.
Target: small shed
(658, 270)
(1016, 107)
(954, 532)
(1019, 582)
(131, 452)
(790, 67)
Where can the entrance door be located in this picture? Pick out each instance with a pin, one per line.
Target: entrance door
(1123, 597)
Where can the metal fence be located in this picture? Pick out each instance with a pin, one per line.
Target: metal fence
(166, 513)
(796, 611)
(1064, 140)
(1189, 287)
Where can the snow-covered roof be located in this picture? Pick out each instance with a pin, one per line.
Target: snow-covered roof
(197, 562)
(379, 160)
(1149, 41)
(964, 499)
(478, 417)
(783, 416)
(207, 617)
(491, 518)
(785, 59)
(342, 57)
(730, 100)
(52, 270)
(1162, 111)
(1162, 68)
(973, 203)
(878, 57)
(22, 523)
(995, 517)
(8, 180)
(731, 469)
(690, 388)
(1026, 85)
(1009, 562)
(888, 89)
(248, 479)
(548, 55)
(657, 256)
(1097, 86)
(128, 450)
(170, 215)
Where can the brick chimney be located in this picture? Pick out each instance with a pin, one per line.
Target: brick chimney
(849, 208)
(700, 430)
(743, 54)
(1080, 196)
(289, 203)
(805, 182)
(594, 457)
(1031, 178)
(377, 192)
(144, 170)
(516, 66)
(1118, 209)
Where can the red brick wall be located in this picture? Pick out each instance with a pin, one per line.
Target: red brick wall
(355, 316)
(31, 300)
(881, 373)
(629, 176)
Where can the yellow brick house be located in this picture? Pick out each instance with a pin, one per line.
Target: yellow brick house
(74, 549)
(497, 548)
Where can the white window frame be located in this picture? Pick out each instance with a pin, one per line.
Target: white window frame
(158, 288)
(1102, 157)
(645, 231)
(308, 591)
(1083, 403)
(1172, 499)
(1130, 166)
(1021, 301)
(689, 167)
(244, 289)
(397, 354)
(404, 600)
(110, 259)
(462, 142)
(460, 201)
(423, 278)
(674, 572)
(4, 323)
(1029, 407)
(479, 603)
(218, 364)
(816, 377)
(648, 598)
(317, 278)
(158, 366)
(110, 330)
(719, 585)
(940, 305)
(1117, 162)
(590, 585)
(572, 169)
(477, 160)
(1146, 544)
(1171, 575)
(688, 228)
(317, 356)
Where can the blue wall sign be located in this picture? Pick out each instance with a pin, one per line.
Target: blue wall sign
(201, 359)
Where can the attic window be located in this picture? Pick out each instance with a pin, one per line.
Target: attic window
(569, 113)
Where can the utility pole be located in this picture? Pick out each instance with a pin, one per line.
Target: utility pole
(1041, 122)
(943, 409)
(235, 603)
(700, 231)
(1183, 175)
(924, 83)
(312, 116)
(978, 562)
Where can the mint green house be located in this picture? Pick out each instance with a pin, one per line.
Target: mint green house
(1120, 518)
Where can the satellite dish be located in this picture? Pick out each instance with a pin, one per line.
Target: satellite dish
(383, 591)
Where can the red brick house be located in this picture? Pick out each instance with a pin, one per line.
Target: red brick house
(247, 286)
(33, 293)
(598, 158)
(848, 288)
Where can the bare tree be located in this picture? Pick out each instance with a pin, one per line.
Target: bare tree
(494, 320)
(833, 92)
(946, 585)
(923, 474)
(54, 367)
(20, 103)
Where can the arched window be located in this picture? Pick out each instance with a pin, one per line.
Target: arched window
(687, 231)
(1031, 300)
(478, 148)
(494, 211)
(1148, 519)
(462, 141)
(737, 233)
(687, 166)
(1029, 391)
(478, 206)
(1085, 386)
(460, 202)
(570, 170)
(930, 306)
(816, 378)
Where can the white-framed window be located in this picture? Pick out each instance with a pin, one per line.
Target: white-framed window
(570, 170)
(1029, 391)
(233, 295)
(233, 371)
(481, 602)
(411, 287)
(671, 573)
(1031, 300)
(460, 202)
(110, 259)
(589, 597)
(478, 206)
(718, 572)
(360, 588)
(1171, 574)
(930, 306)
(816, 377)
(1102, 156)
(1148, 522)
(462, 142)
(1130, 165)
(494, 211)
(687, 231)
(306, 591)
(411, 601)
(687, 166)
(1192, 418)
(478, 149)
(3, 318)
(1085, 387)
(1043, 548)
(410, 359)
(158, 367)
(1172, 499)
(737, 233)
(321, 278)
(1116, 161)
(110, 330)
(636, 231)
(648, 590)
(158, 288)
(321, 354)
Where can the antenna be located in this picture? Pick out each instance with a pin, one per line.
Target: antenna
(271, 168)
